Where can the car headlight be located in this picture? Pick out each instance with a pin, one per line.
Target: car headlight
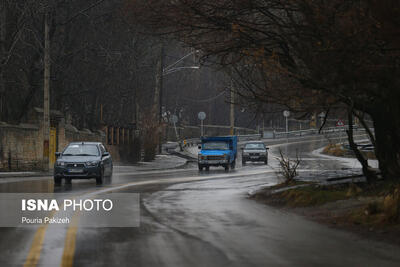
(202, 157)
(226, 156)
(60, 163)
(92, 163)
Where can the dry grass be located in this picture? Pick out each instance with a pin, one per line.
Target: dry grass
(369, 154)
(380, 202)
(372, 211)
(334, 150)
(391, 206)
(311, 196)
(291, 183)
(304, 196)
(338, 151)
(378, 212)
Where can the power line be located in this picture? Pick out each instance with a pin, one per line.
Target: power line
(204, 100)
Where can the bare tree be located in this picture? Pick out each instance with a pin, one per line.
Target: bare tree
(306, 55)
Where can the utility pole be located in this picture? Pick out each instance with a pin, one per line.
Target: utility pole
(46, 94)
(232, 113)
(3, 36)
(286, 114)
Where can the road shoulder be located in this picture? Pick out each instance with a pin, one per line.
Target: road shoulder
(359, 208)
(161, 162)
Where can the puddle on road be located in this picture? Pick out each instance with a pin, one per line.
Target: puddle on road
(44, 186)
(38, 186)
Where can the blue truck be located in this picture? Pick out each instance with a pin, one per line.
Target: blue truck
(217, 151)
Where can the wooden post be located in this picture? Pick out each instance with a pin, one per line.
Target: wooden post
(106, 130)
(3, 36)
(101, 112)
(112, 136)
(118, 135)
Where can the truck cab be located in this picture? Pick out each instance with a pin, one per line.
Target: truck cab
(217, 151)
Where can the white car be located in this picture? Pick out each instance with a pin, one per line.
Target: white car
(254, 151)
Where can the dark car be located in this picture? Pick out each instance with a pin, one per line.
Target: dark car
(83, 160)
(254, 151)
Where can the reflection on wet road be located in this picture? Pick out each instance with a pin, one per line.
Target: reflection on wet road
(199, 219)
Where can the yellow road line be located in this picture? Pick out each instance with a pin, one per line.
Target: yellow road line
(70, 241)
(36, 247)
(37, 244)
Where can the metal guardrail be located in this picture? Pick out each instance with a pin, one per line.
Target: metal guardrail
(191, 142)
(228, 127)
(277, 135)
(247, 137)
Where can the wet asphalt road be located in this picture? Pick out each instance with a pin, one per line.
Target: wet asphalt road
(206, 222)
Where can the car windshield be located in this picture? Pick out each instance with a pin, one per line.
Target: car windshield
(255, 146)
(81, 150)
(216, 146)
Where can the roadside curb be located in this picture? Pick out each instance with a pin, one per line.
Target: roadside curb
(168, 168)
(45, 174)
(189, 157)
(24, 174)
(349, 162)
(253, 192)
(149, 169)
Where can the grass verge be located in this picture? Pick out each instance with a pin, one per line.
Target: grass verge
(362, 208)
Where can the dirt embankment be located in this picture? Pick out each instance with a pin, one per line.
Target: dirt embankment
(372, 211)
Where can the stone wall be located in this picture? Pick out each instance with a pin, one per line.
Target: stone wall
(21, 146)
(72, 134)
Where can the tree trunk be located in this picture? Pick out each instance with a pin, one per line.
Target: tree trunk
(387, 138)
(158, 86)
(367, 171)
(157, 103)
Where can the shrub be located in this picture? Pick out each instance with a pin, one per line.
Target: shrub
(288, 167)
(372, 208)
(353, 190)
(391, 205)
